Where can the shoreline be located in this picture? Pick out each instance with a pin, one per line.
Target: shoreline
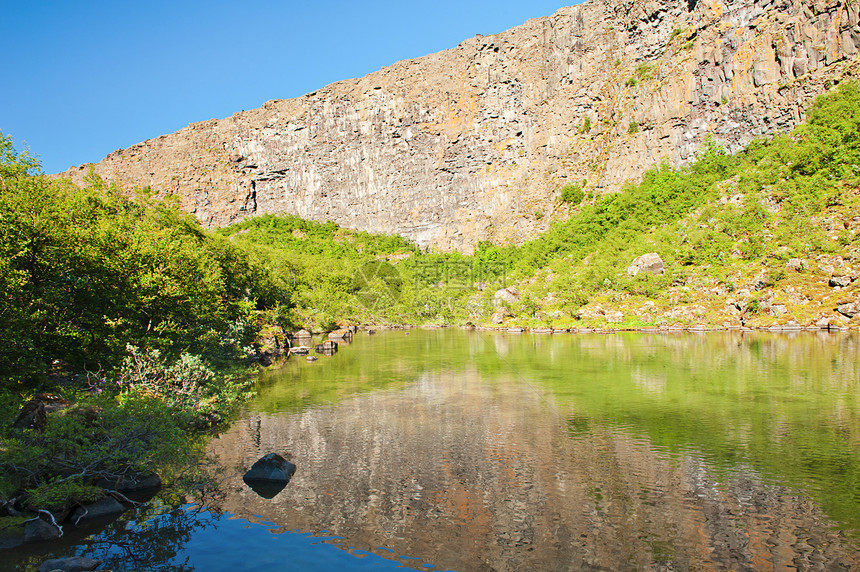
(699, 328)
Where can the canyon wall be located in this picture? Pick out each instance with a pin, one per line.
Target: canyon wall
(474, 143)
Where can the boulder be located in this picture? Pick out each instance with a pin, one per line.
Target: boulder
(72, 564)
(499, 317)
(312, 358)
(796, 264)
(39, 531)
(328, 348)
(268, 476)
(614, 317)
(131, 483)
(849, 309)
(31, 416)
(270, 467)
(343, 333)
(650, 263)
(300, 350)
(841, 281)
(272, 343)
(103, 509)
(509, 295)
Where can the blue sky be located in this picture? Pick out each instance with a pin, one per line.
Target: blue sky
(84, 78)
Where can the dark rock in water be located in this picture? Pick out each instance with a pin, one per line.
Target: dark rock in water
(11, 536)
(271, 467)
(371, 332)
(266, 489)
(38, 531)
(268, 476)
(328, 348)
(73, 564)
(131, 483)
(103, 509)
(137, 487)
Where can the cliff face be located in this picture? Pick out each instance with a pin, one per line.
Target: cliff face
(475, 142)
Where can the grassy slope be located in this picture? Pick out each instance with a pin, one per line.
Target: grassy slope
(726, 228)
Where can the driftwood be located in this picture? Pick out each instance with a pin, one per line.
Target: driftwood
(53, 521)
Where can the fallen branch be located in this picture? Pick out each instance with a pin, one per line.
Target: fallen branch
(50, 516)
(121, 497)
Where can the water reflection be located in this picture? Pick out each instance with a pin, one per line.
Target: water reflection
(569, 452)
(152, 538)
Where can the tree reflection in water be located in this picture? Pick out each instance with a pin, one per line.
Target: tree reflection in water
(153, 538)
(149, 539)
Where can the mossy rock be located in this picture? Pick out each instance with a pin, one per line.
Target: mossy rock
(12, 531)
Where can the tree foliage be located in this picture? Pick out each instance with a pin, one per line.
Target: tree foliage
(85, 271)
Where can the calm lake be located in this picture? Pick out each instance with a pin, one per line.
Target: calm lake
(459, 450)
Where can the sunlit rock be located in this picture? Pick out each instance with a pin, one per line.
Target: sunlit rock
(650, 263)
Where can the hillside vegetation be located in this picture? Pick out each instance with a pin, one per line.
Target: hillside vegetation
(751, 239)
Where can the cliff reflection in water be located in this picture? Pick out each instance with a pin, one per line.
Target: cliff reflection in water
(477, 467)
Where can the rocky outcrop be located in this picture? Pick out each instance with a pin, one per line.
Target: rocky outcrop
(474, 143)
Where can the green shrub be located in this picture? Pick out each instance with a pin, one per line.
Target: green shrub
(572, 193)
(586, 125)
(646, 71)
(99, 437)
(59, 493)
(676, 32)
(183, 382)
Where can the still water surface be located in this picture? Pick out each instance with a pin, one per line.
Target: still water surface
(452, 450)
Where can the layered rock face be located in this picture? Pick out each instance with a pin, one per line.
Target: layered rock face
(474, 143)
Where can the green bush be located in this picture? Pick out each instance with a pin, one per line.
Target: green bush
(586, 125)
(572, 193)
(99, 437)
(646, 71)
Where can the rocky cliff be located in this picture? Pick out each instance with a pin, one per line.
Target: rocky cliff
(474, 143)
